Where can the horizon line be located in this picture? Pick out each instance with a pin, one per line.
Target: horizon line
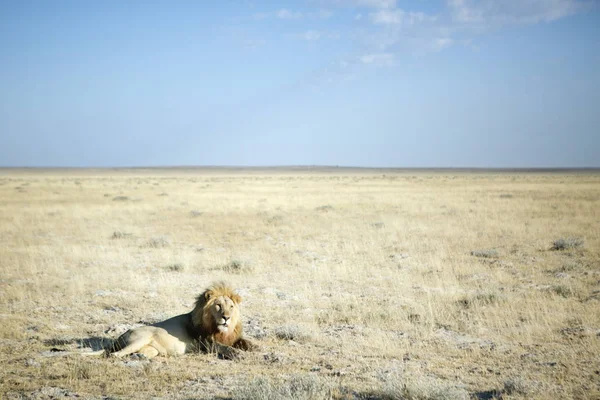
(303, 167)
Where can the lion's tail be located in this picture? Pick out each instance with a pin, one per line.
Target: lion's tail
(93, 353)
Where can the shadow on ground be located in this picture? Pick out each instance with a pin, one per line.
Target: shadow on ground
(94, 342)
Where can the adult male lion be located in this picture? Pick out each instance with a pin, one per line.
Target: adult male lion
(213, 325)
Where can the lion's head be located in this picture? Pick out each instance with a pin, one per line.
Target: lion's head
(217, 312)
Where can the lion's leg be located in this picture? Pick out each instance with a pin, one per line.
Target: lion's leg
(130, 349)
(244, 344)
(148, 351)
(221, 350)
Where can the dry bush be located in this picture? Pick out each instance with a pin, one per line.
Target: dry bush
(121, 235)
(567, 243)
(121, 198)
(295, 387)
(292, 332)
(415, 385)
(487, 253)
(237, 267)
(158, 242)
(177, 267)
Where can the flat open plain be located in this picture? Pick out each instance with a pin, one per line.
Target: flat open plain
(357, 284)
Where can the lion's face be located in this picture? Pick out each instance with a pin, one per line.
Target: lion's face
(224, 312)
(217, 312)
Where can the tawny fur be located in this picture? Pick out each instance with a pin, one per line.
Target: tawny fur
(214, 325)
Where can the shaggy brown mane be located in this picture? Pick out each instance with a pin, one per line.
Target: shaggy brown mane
(215, 290)
(202, 319)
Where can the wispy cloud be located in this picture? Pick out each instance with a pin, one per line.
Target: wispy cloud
(491, 13)
(399, 16)
(383, 32)
(376, 3)
(390, 29)
(284, 13)
(379, 59)
(364, 3)
(311, 35)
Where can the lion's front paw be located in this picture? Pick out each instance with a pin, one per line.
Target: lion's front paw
(229, 353)
(246, 345)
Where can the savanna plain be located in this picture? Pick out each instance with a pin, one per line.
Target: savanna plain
(356, 284)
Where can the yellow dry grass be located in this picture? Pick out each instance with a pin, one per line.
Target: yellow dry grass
(363, 282)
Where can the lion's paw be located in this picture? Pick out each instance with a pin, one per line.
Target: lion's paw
(230, 354)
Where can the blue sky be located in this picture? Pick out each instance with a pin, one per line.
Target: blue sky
(374, 83)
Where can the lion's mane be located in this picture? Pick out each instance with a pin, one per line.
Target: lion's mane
(203, 320)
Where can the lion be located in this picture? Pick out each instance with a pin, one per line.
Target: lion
(214, 325)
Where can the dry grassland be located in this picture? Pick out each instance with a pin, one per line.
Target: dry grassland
(356, 285)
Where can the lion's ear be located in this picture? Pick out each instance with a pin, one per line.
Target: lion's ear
(236, 298)
(208, 294)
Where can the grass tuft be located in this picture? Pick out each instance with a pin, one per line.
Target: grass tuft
(121, 198)
(292, 332)
(158, 242)
(120, 235)
(562, 290)
(567, 243)
(237, 267)
(295, 387)
(486, 253)
(175, 267)
(418, 386)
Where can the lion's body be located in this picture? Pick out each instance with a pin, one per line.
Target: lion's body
(213, 325)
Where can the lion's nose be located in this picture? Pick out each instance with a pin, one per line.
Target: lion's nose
(225, 318)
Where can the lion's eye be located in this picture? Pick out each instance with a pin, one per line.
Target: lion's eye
(218, 307)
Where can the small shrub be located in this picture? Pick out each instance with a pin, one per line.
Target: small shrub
(237, 267)
(506, 196)
(488, 253)
(516, 386)
(411, 386)
(301, 387)
(121, 198)
(569, 267)
(196, 213)
(292, 332)
(120, 235)
(480, 299)
(562, 290)
(81, 371)
(175, 267)
(566, 244)
(158, 242)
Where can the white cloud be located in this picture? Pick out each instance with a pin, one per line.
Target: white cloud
(365, 3)
(377, 3)
(379, 59)
(287, 14)
(492, 13)
(438, 44)
(387, 17)
(398, 17)
(311, 35)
